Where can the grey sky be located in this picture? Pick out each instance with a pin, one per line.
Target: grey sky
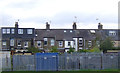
(59, 13)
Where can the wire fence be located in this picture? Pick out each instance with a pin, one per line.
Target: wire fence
(74, 61)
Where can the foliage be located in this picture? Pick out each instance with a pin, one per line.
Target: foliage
(106, 44)
(33, 50)
(95, 49)
(71, 50)
(83, 50)
(54, 49)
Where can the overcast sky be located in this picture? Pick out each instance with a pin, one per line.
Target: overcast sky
(59, 13)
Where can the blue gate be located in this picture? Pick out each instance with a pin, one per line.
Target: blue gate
(46, 61)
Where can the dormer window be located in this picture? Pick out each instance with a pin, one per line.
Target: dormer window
(112, 33)
(29, 31)
(20, 31)
(8, 31)
(4, 31)
(12, 31)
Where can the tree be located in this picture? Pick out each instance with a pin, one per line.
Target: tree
(33, 50)
(106, 44)
(54, 49)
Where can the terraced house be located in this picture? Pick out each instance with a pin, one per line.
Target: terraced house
(14, 38)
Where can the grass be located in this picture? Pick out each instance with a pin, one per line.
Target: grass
(81, 71)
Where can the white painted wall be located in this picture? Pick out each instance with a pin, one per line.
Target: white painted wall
(75, 44)
(71, 44)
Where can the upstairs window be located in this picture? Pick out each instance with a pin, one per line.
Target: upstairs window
(39, 43)
(4, 31)
(12, 31)
(60, 43)
(20, 31)
(112, 33)
(29, 31)
(52, 42)
(8, 31)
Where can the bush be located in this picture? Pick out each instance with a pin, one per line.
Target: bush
(54, 49)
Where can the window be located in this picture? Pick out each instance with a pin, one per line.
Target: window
(29, 31)
(39, 43)
(12, 31)
(112, 33)
(11, 42)
(45, 41)
(4, 43)
(19, 42)
(20, 31)
(68, 43)
(60, 43)
(4, 31)
(89, 43)
(80, 42)
(8, 31)
(52, 42)
(25, 44)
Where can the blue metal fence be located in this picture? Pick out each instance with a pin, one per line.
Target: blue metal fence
(46, 61)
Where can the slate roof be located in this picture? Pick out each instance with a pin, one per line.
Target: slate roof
(59, 34)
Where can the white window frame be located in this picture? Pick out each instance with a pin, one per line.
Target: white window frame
(38, 42)
(12, 31)
(8, 31)
(90, 43)
(52, 42)
(80, 42)
(4, 31)
(26, 44)
(4, 43)
(112, 33)
(18, 42)
(29, 31)
(68, 43)
(20, 31)
(11, 42)
(60, 43)
(45, 40)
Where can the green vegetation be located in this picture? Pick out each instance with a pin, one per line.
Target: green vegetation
(33, 50)
(107, 44)
(54, 49)
(71, 50)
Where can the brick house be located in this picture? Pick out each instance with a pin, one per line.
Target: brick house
(15, 38)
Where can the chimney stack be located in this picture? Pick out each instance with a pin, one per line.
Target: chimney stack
(47, 26)
(100, 26)
(74, 25)
(16, 25)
